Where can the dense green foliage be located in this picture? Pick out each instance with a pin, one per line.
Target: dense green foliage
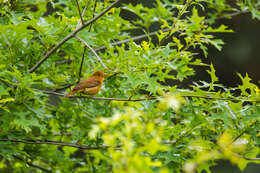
(159, 125)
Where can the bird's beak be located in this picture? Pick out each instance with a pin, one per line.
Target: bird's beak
(106, 75)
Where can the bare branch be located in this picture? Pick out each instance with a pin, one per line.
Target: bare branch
(37, 65)
(94, 10)
(32, 165)
(246, 158)
(81, 63)
(64, 61)
(243, 132)
(49, 142)
(82, 21)
(148, 98)
(236, 13)
(93, 51)
(98, 98)
(83, 55)
(139, 37)
(83, 13)
(84, 147)
(113, 44)
(62, 88)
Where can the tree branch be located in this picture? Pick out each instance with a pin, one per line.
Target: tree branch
(97, 98)
(81, 63)
(32, 165)
(139, 37)
(94, 10)
(64, 61)
(47, 55)
(83, 54)
(156, 32)
(83, 13)
(82, 21)
(236, 13)
(148, 98)
(244, 157)
(93, 51)
(49, 142)
(247, 158)
(83, 147)
(62, 88)
(243, 132)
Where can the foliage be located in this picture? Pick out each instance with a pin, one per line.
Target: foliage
(159, 127)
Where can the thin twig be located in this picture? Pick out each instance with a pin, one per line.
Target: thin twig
(69, 36)
(247, 158)
(244, 157)
(62, 88)
(182, 135)
(97, 98)
(85, 9)
(64, 61)
(83, 13)
(49, 142)
(139, 37)
(94, 10)
(32, 165)
(93, 51)
(83, 54)
(222, 98)
(69, 85)
(81, 63)
(236, 13)
(243, 132)
(84, 147)
(149, 98)
(113, 44)
(82, 21)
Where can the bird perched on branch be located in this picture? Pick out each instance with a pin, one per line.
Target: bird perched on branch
(90, 86)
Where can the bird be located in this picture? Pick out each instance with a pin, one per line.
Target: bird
(89, 86)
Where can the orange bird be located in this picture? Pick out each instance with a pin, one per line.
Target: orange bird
(90, 86)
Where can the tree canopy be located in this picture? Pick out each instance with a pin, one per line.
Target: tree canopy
(144, 119)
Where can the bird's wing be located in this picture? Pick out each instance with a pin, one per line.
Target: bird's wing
(88, 83)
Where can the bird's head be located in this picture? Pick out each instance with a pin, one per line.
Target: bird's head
(99, 74)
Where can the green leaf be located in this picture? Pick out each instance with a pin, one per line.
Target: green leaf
(216, 43)
(196, 20)
(4, 91)
(221, 28)
(214, 78)
(246, 85)
(6, 100)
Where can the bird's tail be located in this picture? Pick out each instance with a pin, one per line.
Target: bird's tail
(72, 92)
